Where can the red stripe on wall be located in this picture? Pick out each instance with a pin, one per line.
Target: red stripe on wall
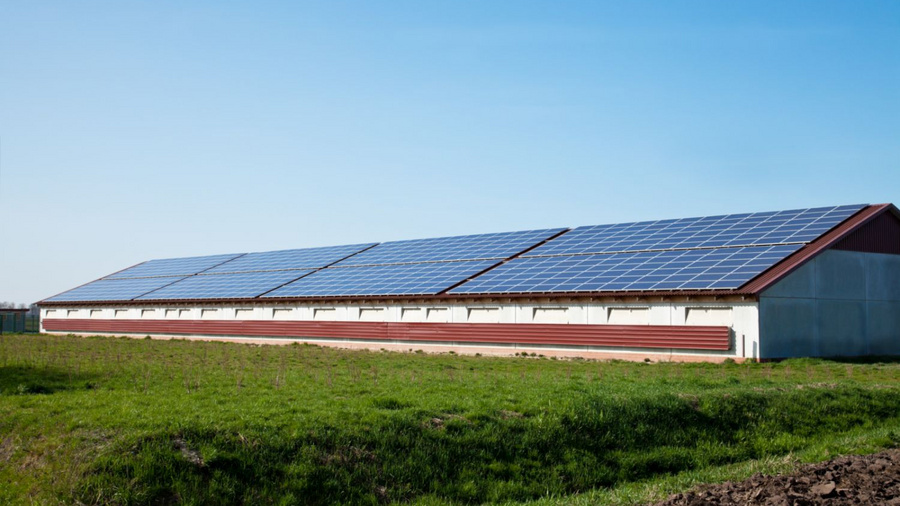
(632, 336)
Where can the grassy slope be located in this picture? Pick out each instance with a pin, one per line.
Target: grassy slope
(102, 420)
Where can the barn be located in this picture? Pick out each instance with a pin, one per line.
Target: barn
(756, 286)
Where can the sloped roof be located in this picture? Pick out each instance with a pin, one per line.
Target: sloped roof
(739, 254)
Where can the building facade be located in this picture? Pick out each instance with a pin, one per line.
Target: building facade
(835, 294)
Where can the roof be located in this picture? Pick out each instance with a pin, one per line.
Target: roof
(737, 254)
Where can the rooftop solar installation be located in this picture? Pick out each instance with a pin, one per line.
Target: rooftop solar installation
(782, 227)
(718, 268)
(308, 258)
(173, 266)
(395, 279)
(225, 286)
(114, 289)
(443, 249)
(716, 252)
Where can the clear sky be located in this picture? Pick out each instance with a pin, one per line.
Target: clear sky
(139, 130)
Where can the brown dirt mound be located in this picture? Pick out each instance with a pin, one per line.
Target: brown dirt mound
(870, 479)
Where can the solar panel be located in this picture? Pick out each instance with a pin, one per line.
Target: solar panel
(173, 266)
(216, 286)
(796, 226)
(441, 249)
(718, 268)
(114, 289)
(308, 258)
(395, 279)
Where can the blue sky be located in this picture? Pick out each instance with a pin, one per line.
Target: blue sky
(139, 130)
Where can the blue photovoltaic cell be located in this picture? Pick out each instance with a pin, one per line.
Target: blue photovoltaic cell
(225, 286)
(308, 258)
(721, 268)
(397, 279)
(797, 226)
(114, 289)
(441, 249)
(172, 267)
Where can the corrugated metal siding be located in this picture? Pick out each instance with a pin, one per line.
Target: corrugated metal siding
(881, 235)
(632, 336)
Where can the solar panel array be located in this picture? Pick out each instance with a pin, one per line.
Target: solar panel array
(172, 267)
(308, 258)
(115, 289)
(210, 277)
(654, 270)
(416, 267)
(718, 252)
(782, 227)
(223, 286)
(444, 249)
(389, 279)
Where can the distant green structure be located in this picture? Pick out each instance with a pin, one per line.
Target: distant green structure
(13, 320)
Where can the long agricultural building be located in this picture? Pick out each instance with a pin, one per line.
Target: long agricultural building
(768, 285)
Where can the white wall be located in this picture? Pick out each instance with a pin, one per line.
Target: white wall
(742, 317)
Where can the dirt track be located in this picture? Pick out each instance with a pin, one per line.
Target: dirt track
(872, 479)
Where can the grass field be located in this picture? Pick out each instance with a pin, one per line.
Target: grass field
(125, 421)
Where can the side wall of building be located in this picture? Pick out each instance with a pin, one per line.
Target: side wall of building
(841, 303)
(517, 320)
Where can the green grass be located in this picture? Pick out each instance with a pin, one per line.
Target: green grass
(125, 421)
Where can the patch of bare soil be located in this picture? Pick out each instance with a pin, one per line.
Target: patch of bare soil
(870, 479)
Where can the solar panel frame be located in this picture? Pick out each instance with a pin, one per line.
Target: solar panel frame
(225, 286)
(114, 289)
(427, 278)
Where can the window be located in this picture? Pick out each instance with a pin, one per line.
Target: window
(51, 313)
(282, 313)
(96, 313)
(437, 314)
(209, 314)
(72, 313)
(484, 314)
(184, 314)
(324, 313)
(148, 313)
(243, 313)
(171, 313)
(551, 315)
(412, 314)
(708, 316)
(629, 316)
(371, 314)
(122, 313)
